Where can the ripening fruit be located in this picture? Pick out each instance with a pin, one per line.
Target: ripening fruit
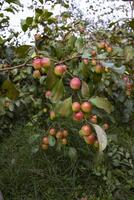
(45, 62)
(52, 115)
(59, 135)
(98, 69)
(128, 92)
(101, 45)
(48, 94)
(93, 119)
(105, 126)
(76, 106)
(109, 49)
(94, 62)
(86, 107)
(75, 83)
(65, 133)
(78, 116)
(64, 141)
(44, 146)
(45, 140)
(86, 61)
(93, 53)
(126, 79)
(37, 63)
(86, 130)
(129, 86)
(90, 139)
(36, 74)
(52, 131)
(60, 69)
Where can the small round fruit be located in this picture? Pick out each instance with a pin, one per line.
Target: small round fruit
(64, 141)
(36, 74)
(52, 131)
(109, 49)
(45, 140)
(59, 70)
(45, 62)
(94, 62)
(96, 144)
(86, 129)
(52, 115)
(128, 92)
(59, 135)
(48, 94)
(86, 61)
(76, 106)
(105, 126)
(93, 119)
(78, 116)
(65, 133)
(98, 69)
(86, 107)
(93, 53)
(37, 63)
(44, 146)
(129, 86)
(101, 45)
(91, 139)
(75, 83)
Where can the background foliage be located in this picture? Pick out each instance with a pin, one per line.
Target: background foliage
(25, 112)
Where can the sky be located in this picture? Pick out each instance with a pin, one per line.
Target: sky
(100, 6)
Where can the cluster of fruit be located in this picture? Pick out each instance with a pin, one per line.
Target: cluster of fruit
(81, 110)
(59, 135)
(99, 68)
(128, 84)
(39, 65)
(87, 133)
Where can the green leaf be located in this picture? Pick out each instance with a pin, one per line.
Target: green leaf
(84, 89)
(86, 54)
(24, 25)
(35, 149)
(41, 1)
(129, 53)
(1, 40)
(102, 103)
(52, 141)
(2, 109)
(10, 10)
(51, 79)
(11, 107)
(29, 21)
(34, 138)
(72, 153)
(22, 51)
(57, 91)
(64, 108)
(119, 70)
(10, 90)
(79, 44)
(102, 137)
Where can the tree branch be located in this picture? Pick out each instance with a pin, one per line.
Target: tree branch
(56, 63)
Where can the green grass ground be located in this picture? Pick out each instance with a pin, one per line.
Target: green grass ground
(49, 175)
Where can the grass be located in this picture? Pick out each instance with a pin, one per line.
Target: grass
(46, 175)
